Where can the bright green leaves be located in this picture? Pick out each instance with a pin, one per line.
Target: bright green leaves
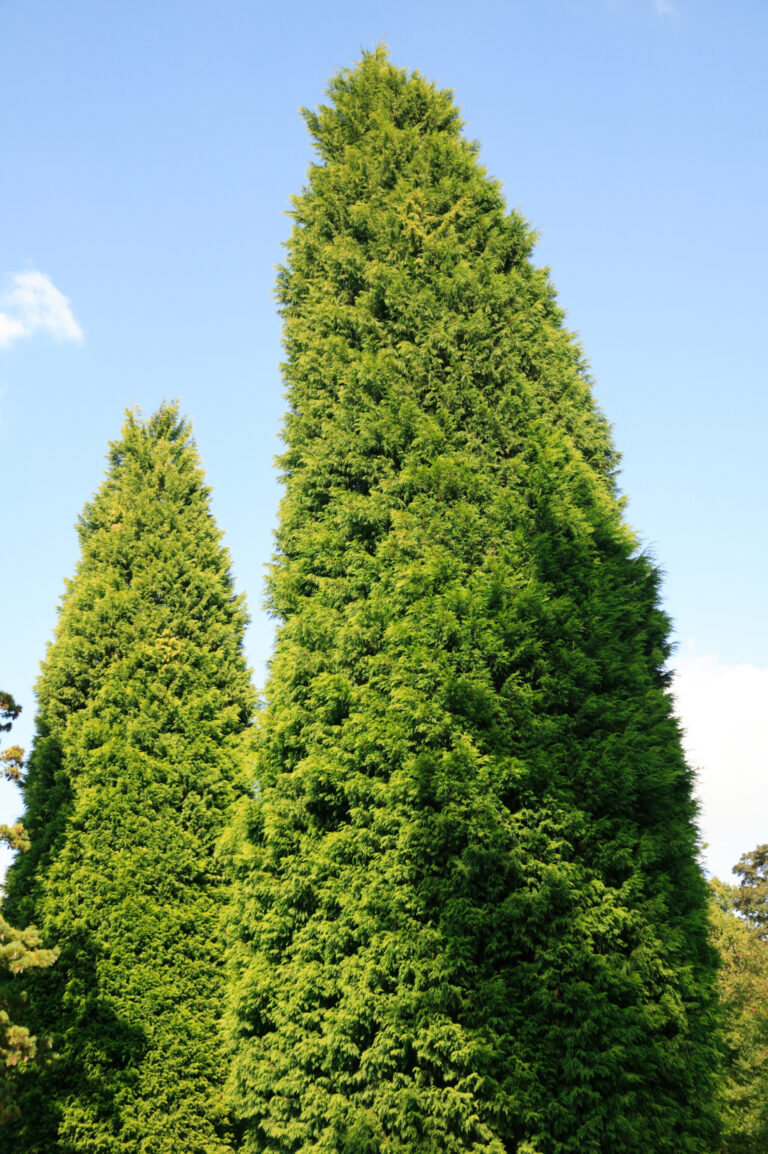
(141, 752)
(469, 913)
(743, 989)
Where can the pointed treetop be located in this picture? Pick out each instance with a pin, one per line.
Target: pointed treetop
(164, 424)
(375, 96)
(157, 446)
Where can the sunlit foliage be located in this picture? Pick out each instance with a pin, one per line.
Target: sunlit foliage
(144, 700)
(470, 913)
(743, 990)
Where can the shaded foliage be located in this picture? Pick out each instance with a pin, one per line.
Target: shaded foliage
(144, 700)
(20, 950)
(470, 913)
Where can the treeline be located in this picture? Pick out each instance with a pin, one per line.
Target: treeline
(441, 893)
(740, 935)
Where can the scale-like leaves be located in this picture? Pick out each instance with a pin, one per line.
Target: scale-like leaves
(144, 700)
(470, 913)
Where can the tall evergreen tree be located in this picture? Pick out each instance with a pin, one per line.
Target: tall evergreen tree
(470, 915)
(144, 700)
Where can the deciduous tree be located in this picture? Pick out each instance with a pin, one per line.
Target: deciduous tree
(751, 896)
(743, 990)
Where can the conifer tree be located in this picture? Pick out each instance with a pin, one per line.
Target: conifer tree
(144, 699)
(470, 916)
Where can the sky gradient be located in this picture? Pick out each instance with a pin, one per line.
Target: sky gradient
(149, 153)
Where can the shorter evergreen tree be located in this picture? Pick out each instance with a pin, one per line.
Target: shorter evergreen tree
(144, 702)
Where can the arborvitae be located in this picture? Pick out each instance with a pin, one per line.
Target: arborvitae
(144, 699)
(470, 916)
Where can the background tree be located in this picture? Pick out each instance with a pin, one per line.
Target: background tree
(144, 699)
(20, 950)
(11, 764)
(470, 912)
(743, 989)
(751, 896)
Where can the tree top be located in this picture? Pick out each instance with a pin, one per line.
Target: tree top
(374, 94)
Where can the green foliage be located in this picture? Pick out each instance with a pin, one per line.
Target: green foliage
(9, 711)
(20, 950)
(743, 989)
(470, 916)
(11, 767)
(751, 897)
(144, 700)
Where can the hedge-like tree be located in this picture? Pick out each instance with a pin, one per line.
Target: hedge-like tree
(470, 912)
(144, 700)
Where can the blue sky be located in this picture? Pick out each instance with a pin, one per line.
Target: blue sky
(149, 153)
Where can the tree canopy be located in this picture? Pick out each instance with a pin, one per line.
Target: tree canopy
(469, 911)
(751, 896)
(140, 750)
(743, 990)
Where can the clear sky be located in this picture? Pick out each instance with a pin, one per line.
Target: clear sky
(149, 151)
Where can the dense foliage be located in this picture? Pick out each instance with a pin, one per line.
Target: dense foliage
(743, 989)
(144, 700)
(470, 914)
(20, 950)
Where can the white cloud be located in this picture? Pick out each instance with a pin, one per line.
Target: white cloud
(33, 304)
(665, 8)
(723, 711)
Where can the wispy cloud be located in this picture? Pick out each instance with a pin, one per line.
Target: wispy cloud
(722, 708)
(665, 8)
(33, 304)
